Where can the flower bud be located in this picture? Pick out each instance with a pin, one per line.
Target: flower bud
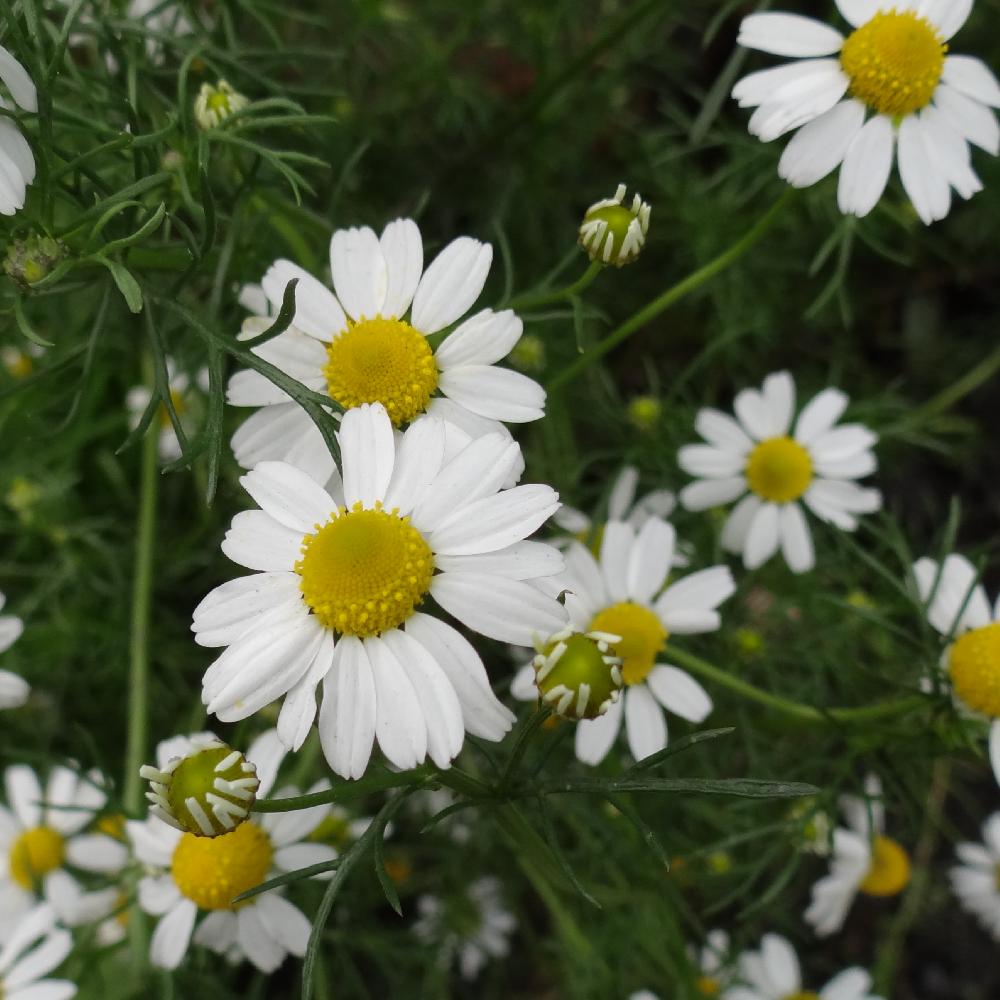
(214, 105)
(612, 233)
(528, 354)
(207, 792)
(31, 259)
(577, 674)
(644, 412)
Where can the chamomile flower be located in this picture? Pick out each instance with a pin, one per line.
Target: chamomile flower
(863, 860)
(33, 949)
(773, 973)
(472, 928)
(14, 690)
(888, 91)
(369, 343)
(976, 881)
(776, 470)
(340, 580)
(181, 387)
(17, 162)
(623, 595)
(958, 608)
(713, 963)
(43, 834)
(188, 875)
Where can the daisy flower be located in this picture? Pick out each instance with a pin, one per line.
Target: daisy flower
(14, 690)
(975, 880)
(474, 929)
(43, 834)
(712, 963)
(17, 163)
(180, 385)
(958, 608)
(773, 973)
(32, 951)
(621, 595)
(189, 875)
(775, 470)
(369, 343)
(889, 90)
(863, 860)
(340, 578)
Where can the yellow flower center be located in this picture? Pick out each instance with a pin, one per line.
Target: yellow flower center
(365, 571)
(382, 361)
(779, 470)
(112, 825)
(889, 874)
(708, 987)
(35, 853)
(643, 636)
(212, 871)
(805, 995)
(975, 669)
(894, 62)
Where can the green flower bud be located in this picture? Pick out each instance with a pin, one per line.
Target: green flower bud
(644, 412)
(31, 259)
(612, 233)
(577, 674)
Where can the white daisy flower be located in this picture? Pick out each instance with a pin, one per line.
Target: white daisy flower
(188, 875)
(369, 343)
(340, 579)
(180, 385)
(863, 860)
(476, 930)
(775, 470)
(14, 690)
(773, 973)
(44, 834)
(31, 951)
(621, 595)
(17, 162)
(976, 880)
(906, 99)
(958, 608)
(712, 961)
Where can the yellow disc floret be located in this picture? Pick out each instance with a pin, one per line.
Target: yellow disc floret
(708, 987)
(382, 361)
(35, 853)
(643, 636)
(779, 470)
(806, 995)
(211, 872)
(889, 873)
(365, 571)
(894, 62)
(975, 669)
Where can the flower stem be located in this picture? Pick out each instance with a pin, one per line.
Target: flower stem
(673, 294)
(794, 709)
(546, 298)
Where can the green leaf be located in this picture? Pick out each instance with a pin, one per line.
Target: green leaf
(286, 878)
(679, 746)
(127, 285)
(388, 886)
(751, 788)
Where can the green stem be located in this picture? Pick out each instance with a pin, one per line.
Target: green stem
(545, 298)
(347, 791)
(794, 709)
(673, 294)
(528, 729)
(142, 593)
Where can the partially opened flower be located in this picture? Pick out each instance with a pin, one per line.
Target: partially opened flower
(189, 875)
(863, 860)
(14, 690)
(976, 881)
(612, 233)
(888, 91)
(369, 344)
(17, 162)
(776, 470)
(33, 949)
(182, 388)
(340, 596)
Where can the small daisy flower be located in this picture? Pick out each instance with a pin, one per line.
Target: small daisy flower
(14, 690)
(340, 579)
(181, 386)
(33, 949)
(44, 833)
(864, 860)
(958, 608)
(775, 470)
(712, 962)
(612, 233)
(623, 594)
(472, 928)
(214, 105)
(17, 162)
(188, 875)
(906, 99)
(773, 973)
(19, 362)
(369, 343)
(976, 881)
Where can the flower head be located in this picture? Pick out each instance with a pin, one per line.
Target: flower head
(17, 162)
(889, 90)
(976, 881)
(214, 105)
(577, 674)
(611, 233)
(776, 470)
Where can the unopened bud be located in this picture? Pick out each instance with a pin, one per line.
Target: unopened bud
(577, 674)
(612, 233)
(31, 259)
(214, 105)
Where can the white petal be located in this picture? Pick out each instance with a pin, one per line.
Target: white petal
(947, 16)
(972, 120)
(973, 78)
(820, 146)
(16, 147)
(254, 940)
(419, 456)
(616, 547)
(347, 715)
(737, 527)
(299, 707)
(710, 493)
(521, 561)
(293, 352)
(11, 629)
(233, 608)
(651, 556)
(796, 539)
(959, 601)
(645, 726)
(483, 339)
(24, 794)
(96, 852)
(523, 686)
(40, 961)
(789, 35)
(285, 923)
(819, 415)
(583, 577)
(403, 250)
(14, 690)
(858, 12)
(678, 692)
(496, 393)
(317, 311)
(753, 414)
(399, 718)
(255, 540)
(762, 538)
(807, 100)
(368, 454)
(782, 964)
(451, 284)
(158, 894)
(17, 81)
(172, 935)
(704, 590)
(290, 496)
(851, 984)
(926, 185)
(283, 433)
(866, 168)
(778, 394)
(995, 749)
(622, 494)
(296, 855)
(360, 275)
(595, 737)
(705, 460)
(766, 84)
(853, 467)
(692, 622)
(950, 152)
